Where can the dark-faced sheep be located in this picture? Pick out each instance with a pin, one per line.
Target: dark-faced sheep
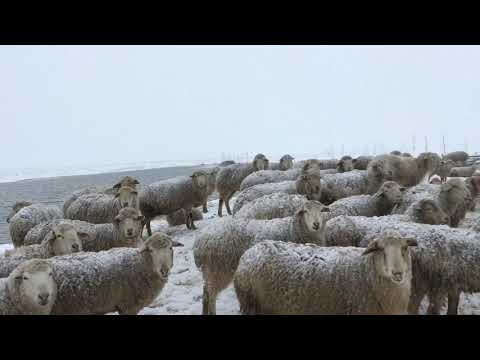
(286, 162)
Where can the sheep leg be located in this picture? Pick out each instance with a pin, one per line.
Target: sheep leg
(149, 229)
(436, 302)
(192, 225)
(453, 300)
(205, 209)
(220, 205)
(414, 303)
(208, 301)
(227, 203)
(187, 219)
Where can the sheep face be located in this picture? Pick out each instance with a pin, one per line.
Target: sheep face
(212, 178)
(391, 257)
(429, 212)
(17, 207)
(428, 162)
(309, 185)
(127, 196)
(126, 181)
(199, 180)
(64, 239)
(392, 192)
(129, 222)
(159, 247)
(33, 287)
(286, 162)
(260, 162)
(313, 215)
(345, 165)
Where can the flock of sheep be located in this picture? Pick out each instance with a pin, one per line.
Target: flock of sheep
(371, 235)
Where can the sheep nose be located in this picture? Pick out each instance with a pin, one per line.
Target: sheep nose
(125, 204)
(316, 225)
(397, 275)
(75, 247)
(130, 231)
(43, 298)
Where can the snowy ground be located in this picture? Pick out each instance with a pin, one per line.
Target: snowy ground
(182, 294)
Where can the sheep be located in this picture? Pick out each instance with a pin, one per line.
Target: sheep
(379, 204)
(338, 186)
(167, 196)
(229, 179)
(272, 206)
(219, 247)
(455, 199)
(404, 170)
(444, 168)
(473, 185)
(406, 154)
(226, 163)
(463, 171)
(211, 185)
(124, 231)
(417, 193)
(396, 152)
(29, 290)
(323, 164)
(345, 164)
(62, 239)
(29, 216)
(127, 181)
(122, 280)
(305, 279)
(361, 162)
(17, 207)
(100, 208)
(286, 163)
(308, 184)
(447, 260)
(178, 217)
(457, 156)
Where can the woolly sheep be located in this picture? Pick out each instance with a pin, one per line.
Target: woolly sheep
(379, 204)
(447, 260)
(396, 152)
(404, 170)
(29, 290)
(345, 164)
(219, 247)
(297, 279)
(124, 231)
(17, 207)
(100, 208)
(457, 156)
(361, 162)
(322, 164)
(226, 163)
(122, 280)
(338, 186)
(63, 239)
(229, 179)
(406, 154)
(286, 162)
(463, 171)
(167, 196)
(308, 184)
(444, 168)
(178, 217)
(126, 181)
(29, 216)
(272, 206)
(473, 185)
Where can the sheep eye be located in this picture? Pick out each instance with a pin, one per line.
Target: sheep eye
(25, 278)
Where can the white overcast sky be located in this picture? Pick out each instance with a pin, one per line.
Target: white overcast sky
(83, 104)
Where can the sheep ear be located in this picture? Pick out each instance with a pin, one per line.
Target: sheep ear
(141, 217)
(372, 247)
(411, 241)
(136, 182)
(117, 194)
(118, 218)
(301, 211)
(176, 243)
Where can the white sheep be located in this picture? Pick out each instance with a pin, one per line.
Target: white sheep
(342, 185)
(122, 280)
(287, 278)
(219, 246)
(446, 261)
(272, 206)
(63, 239)
(29, 216)
(100, 208)
(230, 177)
(286, 162)
(167, 196)
(29, 290)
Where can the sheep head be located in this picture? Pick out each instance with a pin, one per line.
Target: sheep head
(64, 239)
(159, 247)
(391, 256)
(127, 196)
(129, 222)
